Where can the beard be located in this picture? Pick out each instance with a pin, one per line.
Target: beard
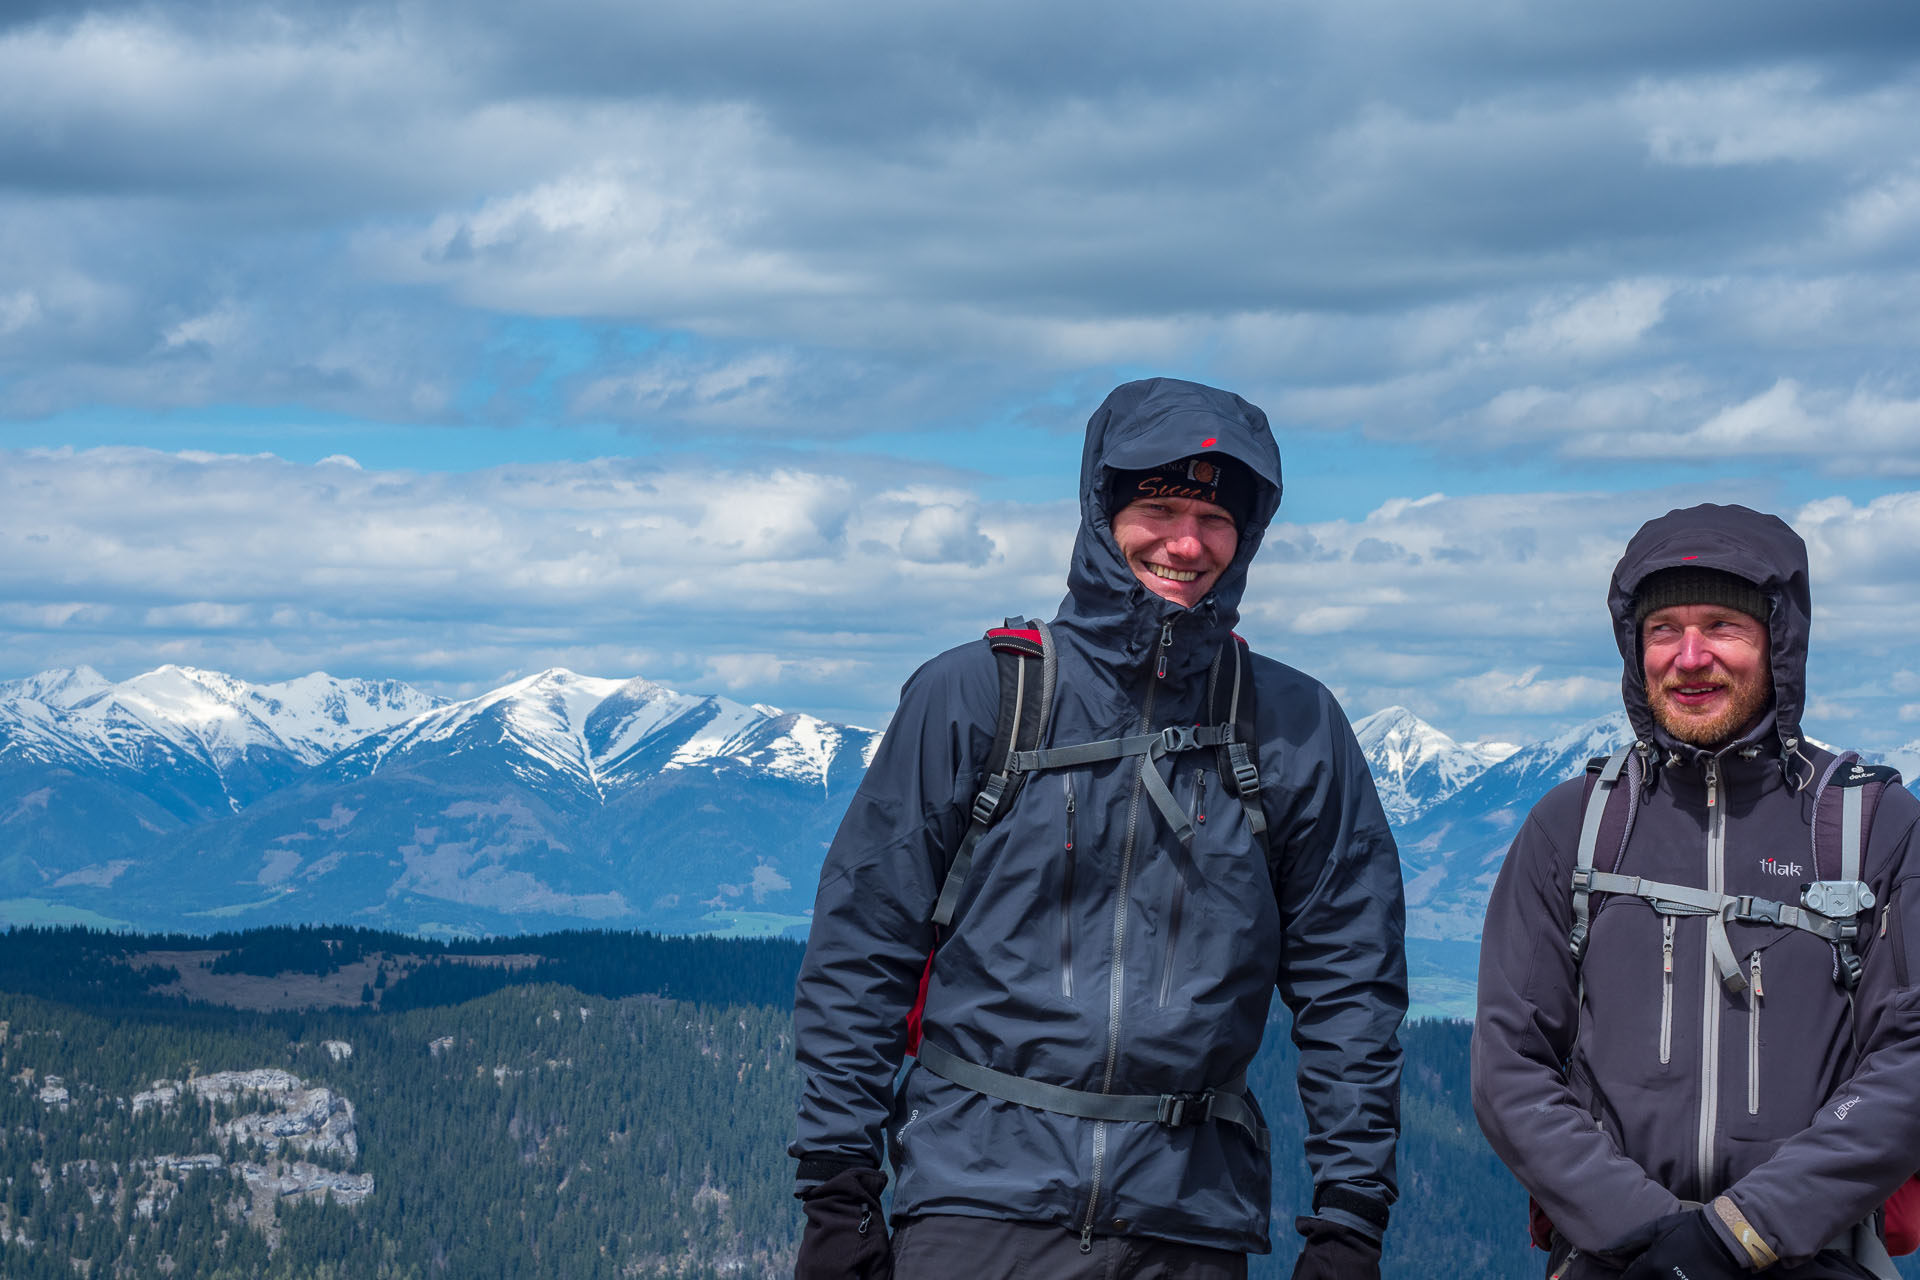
(1746, 703)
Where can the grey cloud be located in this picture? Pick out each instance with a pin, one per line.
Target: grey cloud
(867, 215)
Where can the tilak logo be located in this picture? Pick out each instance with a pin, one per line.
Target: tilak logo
(1840, 1112)
(1774, 867)
(900, 1135)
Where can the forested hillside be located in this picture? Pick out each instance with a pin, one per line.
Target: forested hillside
(542, 1107)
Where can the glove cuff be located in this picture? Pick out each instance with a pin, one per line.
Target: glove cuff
(1759, 1253)
(1352, 1209)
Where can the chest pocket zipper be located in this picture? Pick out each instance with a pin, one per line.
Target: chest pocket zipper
(1754, 995)
(1066, 897)
(1666, 990)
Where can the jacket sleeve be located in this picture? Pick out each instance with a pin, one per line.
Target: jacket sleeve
(1343, 968)
(1865, 1140)
(871, 936)
(1523, 1033)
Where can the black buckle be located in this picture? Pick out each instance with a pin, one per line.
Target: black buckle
(1180, 737)
(1577, 942)
(1583, 879)
(1246, 774)
(1850, 968)
(987, 803)
(1178, 1110)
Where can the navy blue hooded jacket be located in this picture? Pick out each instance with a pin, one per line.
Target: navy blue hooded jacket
(1118, 965)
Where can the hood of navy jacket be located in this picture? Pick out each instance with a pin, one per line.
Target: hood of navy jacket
(1760, 548)
(1143, 424)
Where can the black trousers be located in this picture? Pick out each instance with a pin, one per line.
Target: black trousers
(951, 1247)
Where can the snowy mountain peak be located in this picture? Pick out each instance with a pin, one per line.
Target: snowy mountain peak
(60, 687)
(600, 736)
(207, 716)
(1415, 766)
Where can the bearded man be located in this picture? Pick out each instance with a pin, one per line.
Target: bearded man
(1698, 1033)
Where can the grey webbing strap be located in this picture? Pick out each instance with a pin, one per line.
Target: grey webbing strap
(1246, 779)
(1162, 797)
(986, 807)
(1583, 873)
(957, 875)
(1083, 753)
(1162, 742)
(1684, 900)
(1226, 1102)
(1852, 806)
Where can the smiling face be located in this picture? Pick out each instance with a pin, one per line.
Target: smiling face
(1177, 547)
(1706, 669)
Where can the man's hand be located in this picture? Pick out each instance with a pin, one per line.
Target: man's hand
(1680, 1246)
(1334, 1252)
(846, 1234)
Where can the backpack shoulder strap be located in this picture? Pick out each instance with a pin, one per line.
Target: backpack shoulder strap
(1024, 656)
(1231, 701)
(1603, 775)
(1843, 809)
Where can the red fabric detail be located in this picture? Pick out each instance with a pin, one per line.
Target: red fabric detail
(1209, 442)
(1539, 1225)
(919, 1008)
(1013, 633)
(1902, 1218)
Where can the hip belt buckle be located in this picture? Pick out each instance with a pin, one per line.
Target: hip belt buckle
(1178, 1110)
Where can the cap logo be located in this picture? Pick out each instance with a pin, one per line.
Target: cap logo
(1209, 442)
(1200, 472)
(1689, 557)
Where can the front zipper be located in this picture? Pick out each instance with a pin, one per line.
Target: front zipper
(1753, 1036)
(1711, 996)
(1179, 899)
(1066, 899)
(1116, 967)
(1666, 990)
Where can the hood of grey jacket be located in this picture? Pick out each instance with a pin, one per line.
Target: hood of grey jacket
(1760, 548)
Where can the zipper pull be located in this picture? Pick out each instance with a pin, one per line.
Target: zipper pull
(1199, 794)
(1086, 1240)
(1166, 643)
(1069, 819)
(1884, 913)
(1666, 946)
(1758, 991)
(1713, 783)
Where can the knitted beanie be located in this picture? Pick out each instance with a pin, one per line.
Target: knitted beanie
(1207, 477)
(1691, 584)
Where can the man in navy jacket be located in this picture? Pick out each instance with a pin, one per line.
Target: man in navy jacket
(1099, 960)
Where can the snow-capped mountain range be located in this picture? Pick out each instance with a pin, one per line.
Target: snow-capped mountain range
(193, 800)
(180, 797)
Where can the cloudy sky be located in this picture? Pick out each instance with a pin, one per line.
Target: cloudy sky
(746, 346)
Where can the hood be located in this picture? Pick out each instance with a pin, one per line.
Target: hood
(1142, 424)
(1748, 544)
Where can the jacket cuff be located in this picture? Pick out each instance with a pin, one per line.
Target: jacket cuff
(1352, 1209)
(814, 1170)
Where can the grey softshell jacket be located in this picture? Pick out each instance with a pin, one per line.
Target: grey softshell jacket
(1116, 965)
(1615, 1100)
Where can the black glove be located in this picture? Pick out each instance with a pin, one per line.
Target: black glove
(1680, 1246)
(846, 1235)
(1334, 1252)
